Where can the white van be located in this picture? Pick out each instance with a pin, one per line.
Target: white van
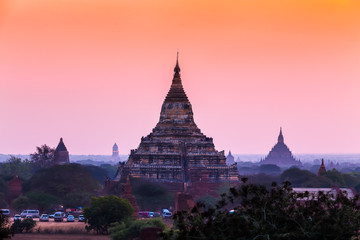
(33, 213)
(5, 212)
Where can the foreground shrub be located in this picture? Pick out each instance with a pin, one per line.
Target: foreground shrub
(132, 229)
(104, 211)
(4, 229)
(26, 225)
(277, 213)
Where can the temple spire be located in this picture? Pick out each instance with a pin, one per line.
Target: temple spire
(177, 68)
(281, 137)
(322, 169)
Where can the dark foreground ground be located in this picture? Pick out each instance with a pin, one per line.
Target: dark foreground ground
(35, 236)
(59, 230)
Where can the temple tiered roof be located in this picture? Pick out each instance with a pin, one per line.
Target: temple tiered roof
(61, 146)
(281, 155)
(61, 155)
(176, 150)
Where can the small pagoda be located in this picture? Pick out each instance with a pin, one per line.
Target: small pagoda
(14, 189)
(230, 160)
(322, 169)
(61, 155)
(281, 155)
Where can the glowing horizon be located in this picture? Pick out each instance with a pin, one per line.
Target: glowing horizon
(96, 72)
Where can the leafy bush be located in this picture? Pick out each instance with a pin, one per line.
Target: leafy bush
(26, 224)
(20, 203)
(132, 229)
(208, 200)
(4, 229)
(104, 211)
(276, 213)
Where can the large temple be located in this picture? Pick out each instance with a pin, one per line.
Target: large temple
(281, 155)
(176, 150)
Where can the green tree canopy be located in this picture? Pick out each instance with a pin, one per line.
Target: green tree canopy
(42, 200)
(132, 229)
(14, 165)
(271, 169)
(20, 203)
(96, 172)
(60, 180)
(110, 169)
(43, 157)
(3, 192)
(66, 182)
(152, 196)
(304, 178)
(277, 213)
(77, 199)
(104, 211)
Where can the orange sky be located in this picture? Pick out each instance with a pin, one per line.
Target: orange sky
(96, 72)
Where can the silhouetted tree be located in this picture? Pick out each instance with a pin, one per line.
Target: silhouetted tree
(304, 178)
(271, 169)
(26, 224)
(14, 165)
(277, 213)
(104, 211)
(4, 228)
(20, 203)
(76, 199)
(132, 229)
(152, 196)
(66, 182)
(3, 193)
(43, 157)
(42, 200)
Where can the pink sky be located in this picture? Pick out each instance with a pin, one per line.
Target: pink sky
(96, 73)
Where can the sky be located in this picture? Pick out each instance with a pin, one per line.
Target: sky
(96, 72)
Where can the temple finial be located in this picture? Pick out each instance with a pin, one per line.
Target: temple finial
(281, 137)
(177, 68)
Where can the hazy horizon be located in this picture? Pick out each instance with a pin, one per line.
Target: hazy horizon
(304, 158)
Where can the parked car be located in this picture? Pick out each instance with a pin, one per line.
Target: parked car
(44, 218)
(33, 213)
(156, 214)
(29, 217)
(232, 211)
(17, 217)
(51, 215)
(70, 218)
(58, 217)
(167, 215)
(151, 214)
(144, 214)
(81, 218)
(5, 212)
(165, 211)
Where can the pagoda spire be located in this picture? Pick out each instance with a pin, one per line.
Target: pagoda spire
(322, 169)
(281, 137)
(177, 68)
